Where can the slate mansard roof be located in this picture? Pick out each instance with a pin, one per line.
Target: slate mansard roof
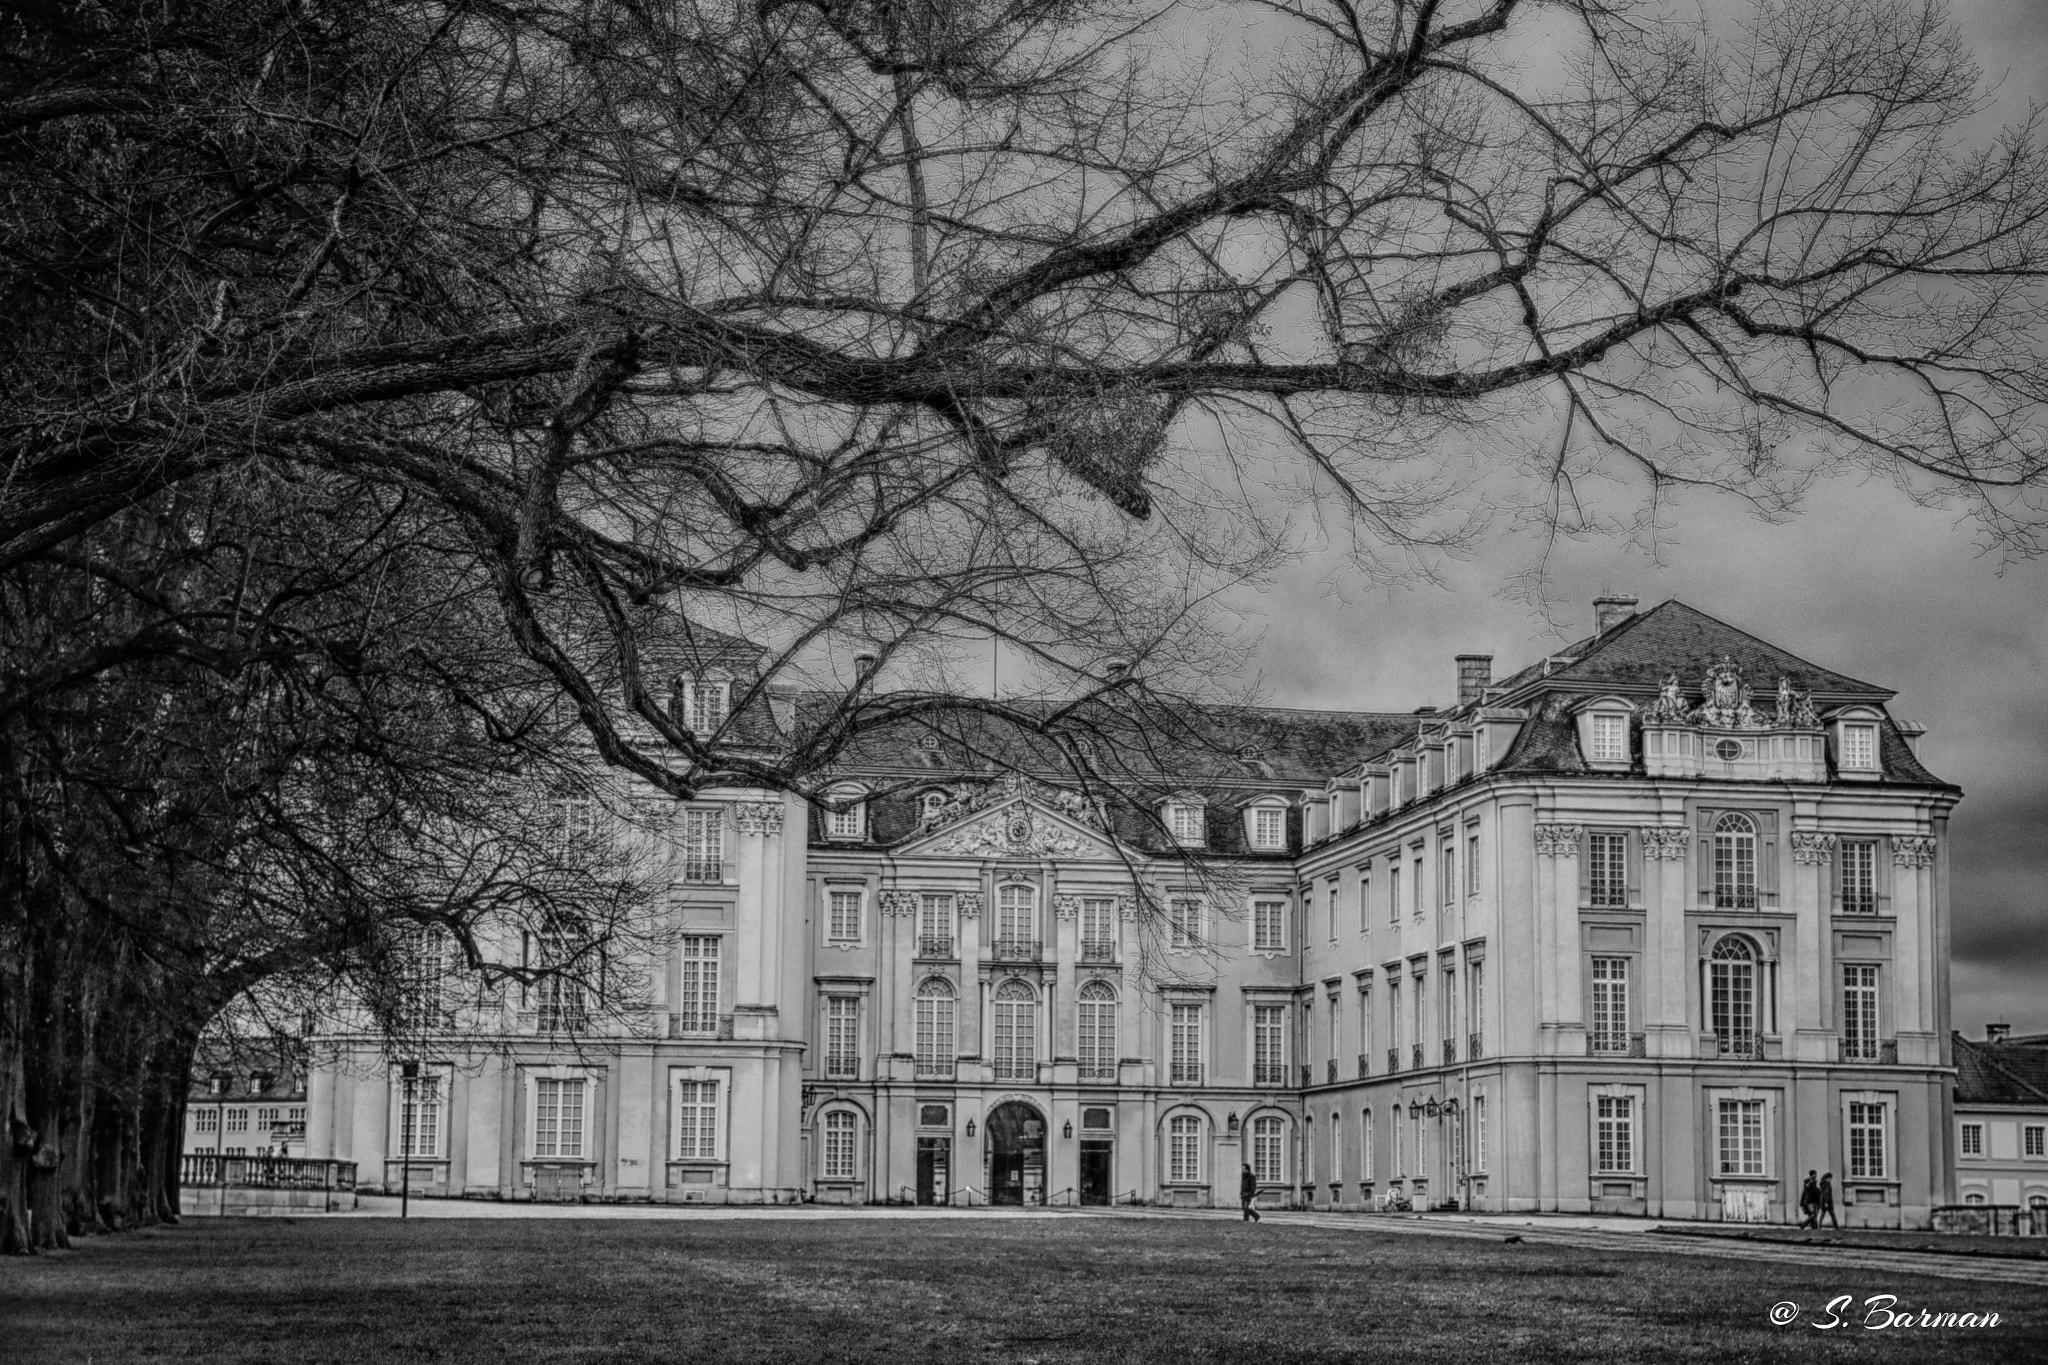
(2012, 1072)
(1231, 756)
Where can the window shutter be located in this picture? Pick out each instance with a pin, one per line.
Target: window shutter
(1703, 852)
(1884, 875)
(1585, 866)
(1766, 856)
(1836, 866)
(1632, 844)
(525, 965)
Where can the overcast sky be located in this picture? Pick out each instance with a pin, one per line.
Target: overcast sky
(1863, 582)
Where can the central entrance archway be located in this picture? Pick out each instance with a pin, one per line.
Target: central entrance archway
(1016, 1154)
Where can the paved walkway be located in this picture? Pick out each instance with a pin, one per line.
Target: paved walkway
(1635, 1236)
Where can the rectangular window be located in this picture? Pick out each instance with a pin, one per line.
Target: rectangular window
(1269, 827)
(1187, 1044)
(558, 1118)
(1973, 1139)
(1365, 1166)
(1394, 893)
(1615, 1131)
(1610, 738)
(1475, 998)
(696, 1120)
(1421, 1012)
(1336, 1031)
(1449, 888)
(206, 1121)
(1415, 891)
(935, 926)
(1269, 1045)
(842, 923)
(846, 823)
(1184, 1150)
(1184, 823)
(1364, 900)
(1607, 869)
(1447, 1008)
(238, 1120)
(1479, 1132)
(1866, 1141)
(1610, 1004)
(1859, 747)
(701, 844)
(704, 705)
(2036, 1140)
(1269, 925)
(839, 1157)
(1394, 1015)
(1364, 1031)
(1741, 1137)
(1400, 1153)
(1472, 865)
(842, 1035)
(1184, 922)
(1859, 876)
(1098, 928)
(697, 995)
(1269, 1150)
(1859, 1013)
(1331, 902)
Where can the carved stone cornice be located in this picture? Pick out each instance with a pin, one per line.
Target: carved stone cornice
(1665, 841)
(1016, 832)
(898, 903)
(1913, 850)
(1066, 907)
(967, 905)
(758, 817)
(1127, 908)
(1558, 841)
(1812, 849)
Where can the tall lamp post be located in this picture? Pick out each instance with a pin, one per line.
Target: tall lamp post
(409, 1073)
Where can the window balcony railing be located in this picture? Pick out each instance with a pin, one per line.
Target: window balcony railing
(1888, 1055)
(1269, 1073)
(1393, 1059)
(717, 1026)
(1187, 1073)
(1615, 1044)
(1308, 1075)
(1098, 1071)
(1859, 1049)
(703, 871)
(1854, 904)
(1015, 950)
(1747, 1046)
(1098, 950)
(1364, 1065)
(1418, 1056)
(1016, 1068)
(934, 1068)
(932, 945)
(1333, 1071)
(1450, 1051)
(842, 1066)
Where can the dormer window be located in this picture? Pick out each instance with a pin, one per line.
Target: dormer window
(847, 817)
(1603, 733)
(704, 703)
(1858, 752)
(933, 802)
(1184, 821)
(1266, 826)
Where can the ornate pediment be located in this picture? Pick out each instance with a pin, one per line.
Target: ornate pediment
(1019, 828)
(1726, 704)
(970, 800)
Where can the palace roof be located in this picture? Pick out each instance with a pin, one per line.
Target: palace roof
(2011, 1072)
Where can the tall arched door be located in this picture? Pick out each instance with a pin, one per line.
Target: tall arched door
(1015, 1148)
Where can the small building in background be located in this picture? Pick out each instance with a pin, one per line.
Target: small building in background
(2001, 1117)
(246, 1100)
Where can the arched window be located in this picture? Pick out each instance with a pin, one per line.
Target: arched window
(1269, 1149)
(1734, 862)
(1016, 1032)
(1098, 1031)
(838, 1162)
(1184, 1150)
(1732, 995)
(935, 1001)
(1974, 1197)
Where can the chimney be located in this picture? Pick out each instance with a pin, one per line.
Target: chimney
(1609, 612)
(1997, 1033)
(864, 665)
(1475, 675)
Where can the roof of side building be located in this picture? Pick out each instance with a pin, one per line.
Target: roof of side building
(2012, 1072)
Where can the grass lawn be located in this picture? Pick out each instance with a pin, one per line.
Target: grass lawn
(2005, 1248)
(1049, 1291)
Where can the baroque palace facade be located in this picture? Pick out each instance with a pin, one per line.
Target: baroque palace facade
(1655, 925)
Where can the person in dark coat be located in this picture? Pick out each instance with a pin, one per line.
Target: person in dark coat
(1827, 1201)
(1247, 1193)
(1809, 1201)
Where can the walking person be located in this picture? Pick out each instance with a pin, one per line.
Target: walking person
(1827, 1201)
(1809, 1201)
(1248, 1194)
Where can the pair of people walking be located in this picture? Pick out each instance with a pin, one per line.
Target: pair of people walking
(1817, 1201)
